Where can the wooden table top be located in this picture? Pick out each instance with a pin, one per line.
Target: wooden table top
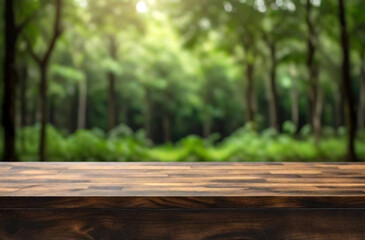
(196, 185)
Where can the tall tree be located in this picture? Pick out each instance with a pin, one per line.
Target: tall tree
(361, 109)
(23, 84)
(273, 93)
(12, 32)
(82, 102)
(357, 33)
(110, 17)
(8, 107)
(314, 90)
(278, 26)
(250, 106)
(294, 95)
(43, 64)
(349, 102)
(111, 78)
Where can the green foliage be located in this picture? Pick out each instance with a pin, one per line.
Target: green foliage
(122, 144)
(83, 145)
(289, 128)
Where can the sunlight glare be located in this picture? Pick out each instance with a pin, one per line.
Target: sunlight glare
(290, 6)
(316, 3)
(228, 6)
(141, 7)
(82, 3)
(260, 5)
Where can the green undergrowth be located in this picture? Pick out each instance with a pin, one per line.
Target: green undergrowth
(122, 145)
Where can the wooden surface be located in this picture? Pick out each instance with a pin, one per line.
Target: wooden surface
(182, 185)
(183, 201)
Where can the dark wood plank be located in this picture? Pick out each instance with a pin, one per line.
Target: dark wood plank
(180, 202)
(283, 224)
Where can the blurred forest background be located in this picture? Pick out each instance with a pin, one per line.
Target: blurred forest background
(182, 80)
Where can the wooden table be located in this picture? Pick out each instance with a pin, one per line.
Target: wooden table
(73, 201)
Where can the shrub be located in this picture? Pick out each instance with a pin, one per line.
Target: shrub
(122, 144)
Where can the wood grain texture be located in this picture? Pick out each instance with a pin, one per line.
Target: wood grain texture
(182, 185)
(208, 201)
(281, 224)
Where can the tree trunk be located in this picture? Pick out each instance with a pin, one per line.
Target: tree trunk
(23, 97)
(337, 108)
(124, 113)
(52, 113)
(349, 104)
(117, 111)
(43, 110)
(43, 65)
(111, 102)
(317, 114)
(207, 126)
(81, 112)
(361, 110)
(273, 93)
(72, 112)
(315, 103)
(38, 114)
(111, 97)
(148, 116)
(294, 105)
(250, 96)
(23, 104)
(166, 128)
(313, 91)
(8, 108)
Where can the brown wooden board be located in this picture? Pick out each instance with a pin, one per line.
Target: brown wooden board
(182, 185)
(238, 224)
